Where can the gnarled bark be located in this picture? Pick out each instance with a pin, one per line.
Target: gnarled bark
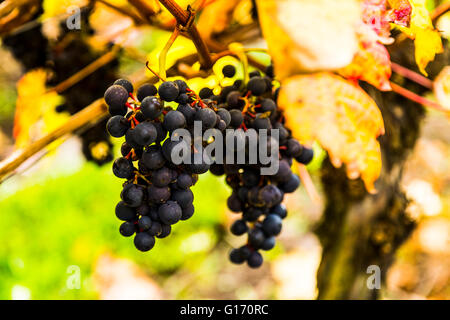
(359, 229)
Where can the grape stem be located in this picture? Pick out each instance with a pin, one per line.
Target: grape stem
(143, 8)
(418, 99)
(440, 10)
(86, 71)
(165, 50)
(411, 75)
(138, 20)
(308, 183)
(186, 20)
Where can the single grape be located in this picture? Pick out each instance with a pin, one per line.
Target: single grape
(280, 210)
(236, 257)
(170, 212)
(234, 204)
(132, 195)
(291, 185)
(146, 90)
(306, 156)
(144, 223)
(126, 84)
(272, 225)
(183, 197)
(161, 177)
(205, 93)
(153, 158)
(184, 181)
(127, 229)
(168, 91)
(207, 117)
(187, 212)
(257, 86)
(239, 227)
(155, 228)
(255, 260)
(145, 133)
(236, 118)
(256, 237)
(117, 126)
(144, 242)
(165, 231)
(151, 107)
(174, 120)
(123, 168)
(229, 71)
(124, 212)
(116, 96)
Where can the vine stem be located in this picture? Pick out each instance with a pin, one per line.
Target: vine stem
(308, 183)
(411, 75)
(417, 98)
(164, 51)
(143, 8)
(185, 19)
(91, 114)
(86, 71)
(138, 20)
(440, 10)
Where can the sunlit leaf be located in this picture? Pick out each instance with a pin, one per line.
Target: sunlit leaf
(305, 36)
(53, 8)
(35, 103)
(340, 116)
(216, 17)
(427, 40)
(372, 61)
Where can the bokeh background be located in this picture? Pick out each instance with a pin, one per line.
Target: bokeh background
(58, 212)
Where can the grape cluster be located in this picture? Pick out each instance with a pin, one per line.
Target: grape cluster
(156, 193)
(258, 197)
(63, 58)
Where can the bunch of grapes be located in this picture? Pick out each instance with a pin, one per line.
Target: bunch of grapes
(258, 197)
(156, 193)
(63, 58)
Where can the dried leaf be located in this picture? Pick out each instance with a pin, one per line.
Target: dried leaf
(216, 17)
(442, 88)
(34, 103)
(427, 40)
(306, 36)
(340, 116)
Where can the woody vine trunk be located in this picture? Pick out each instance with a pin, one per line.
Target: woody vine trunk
(358, 229)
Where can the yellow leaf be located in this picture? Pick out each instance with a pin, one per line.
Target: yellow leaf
(442, 88)
(53, 8)
(371, 64)
(427, 40)
(33, 104)
(340, 116)
(306, 36)
(216, 17)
